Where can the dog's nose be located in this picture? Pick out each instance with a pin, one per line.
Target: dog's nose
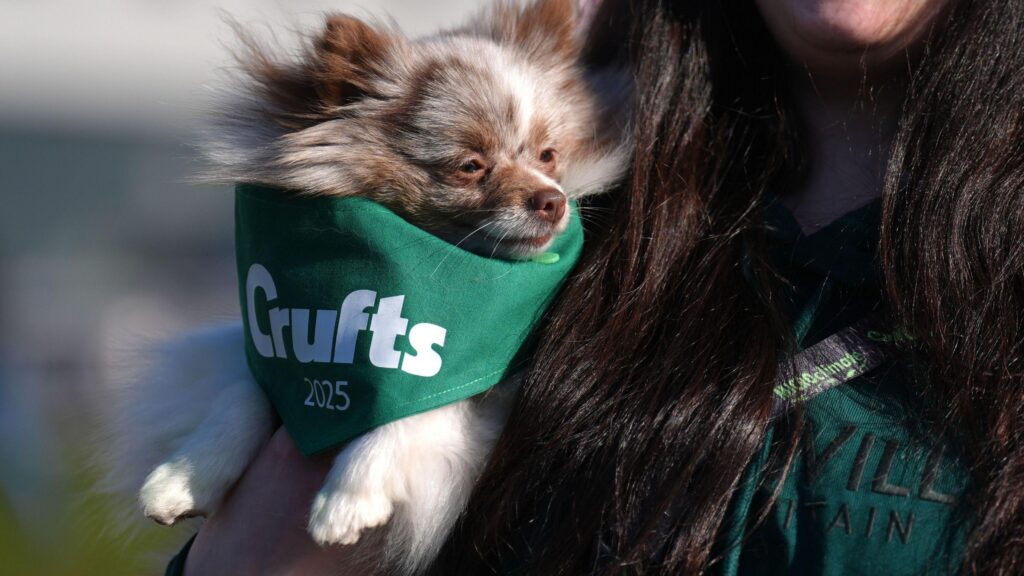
(548, 205)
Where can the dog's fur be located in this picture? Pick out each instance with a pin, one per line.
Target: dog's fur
(459, 133)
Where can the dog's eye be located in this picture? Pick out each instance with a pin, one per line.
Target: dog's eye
(471, 167)
(548, 155)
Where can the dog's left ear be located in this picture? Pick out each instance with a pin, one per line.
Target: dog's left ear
(353, 59)
(543, 28)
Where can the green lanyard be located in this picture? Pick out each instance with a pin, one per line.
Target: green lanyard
(848, 354)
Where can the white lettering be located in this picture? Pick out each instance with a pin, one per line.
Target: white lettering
(426, 362)
(278, 320)
(352, 320)
(320, 349)
(335, 333)
(387, 325)
(259, 278)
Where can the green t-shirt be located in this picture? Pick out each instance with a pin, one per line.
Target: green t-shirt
(869, 492)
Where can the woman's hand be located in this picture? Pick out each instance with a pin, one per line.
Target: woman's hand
(261, 526)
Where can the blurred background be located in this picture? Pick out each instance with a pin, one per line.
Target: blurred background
(102, 242)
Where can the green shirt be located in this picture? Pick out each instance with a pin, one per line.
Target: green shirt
(869, 493)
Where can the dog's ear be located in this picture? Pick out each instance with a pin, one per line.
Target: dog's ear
(352, 59)
(543, 28)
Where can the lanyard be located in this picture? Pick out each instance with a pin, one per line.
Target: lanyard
(848, 354)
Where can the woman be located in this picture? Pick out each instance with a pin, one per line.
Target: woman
(800, 165)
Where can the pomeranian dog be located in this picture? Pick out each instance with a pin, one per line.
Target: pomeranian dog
(480, 135)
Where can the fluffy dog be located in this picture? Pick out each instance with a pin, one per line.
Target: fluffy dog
(479, 135)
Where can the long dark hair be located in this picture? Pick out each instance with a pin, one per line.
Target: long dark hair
(650, 391)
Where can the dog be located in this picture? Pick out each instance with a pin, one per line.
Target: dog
(480, 135)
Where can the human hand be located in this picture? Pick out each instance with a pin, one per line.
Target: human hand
(261, 526)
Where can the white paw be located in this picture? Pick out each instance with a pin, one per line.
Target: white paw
(340, 518)
(169, 494)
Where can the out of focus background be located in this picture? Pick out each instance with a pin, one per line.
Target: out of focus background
(103, 244)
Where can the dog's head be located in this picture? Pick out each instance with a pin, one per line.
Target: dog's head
(479, 135)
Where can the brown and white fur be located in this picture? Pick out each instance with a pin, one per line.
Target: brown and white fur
(479, 135)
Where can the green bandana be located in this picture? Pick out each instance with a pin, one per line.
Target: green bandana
(355, 318)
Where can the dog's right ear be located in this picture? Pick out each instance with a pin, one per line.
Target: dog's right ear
(353, 59)
(541, 28)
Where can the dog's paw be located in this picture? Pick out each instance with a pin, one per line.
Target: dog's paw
(169, 494)
(340, 518)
